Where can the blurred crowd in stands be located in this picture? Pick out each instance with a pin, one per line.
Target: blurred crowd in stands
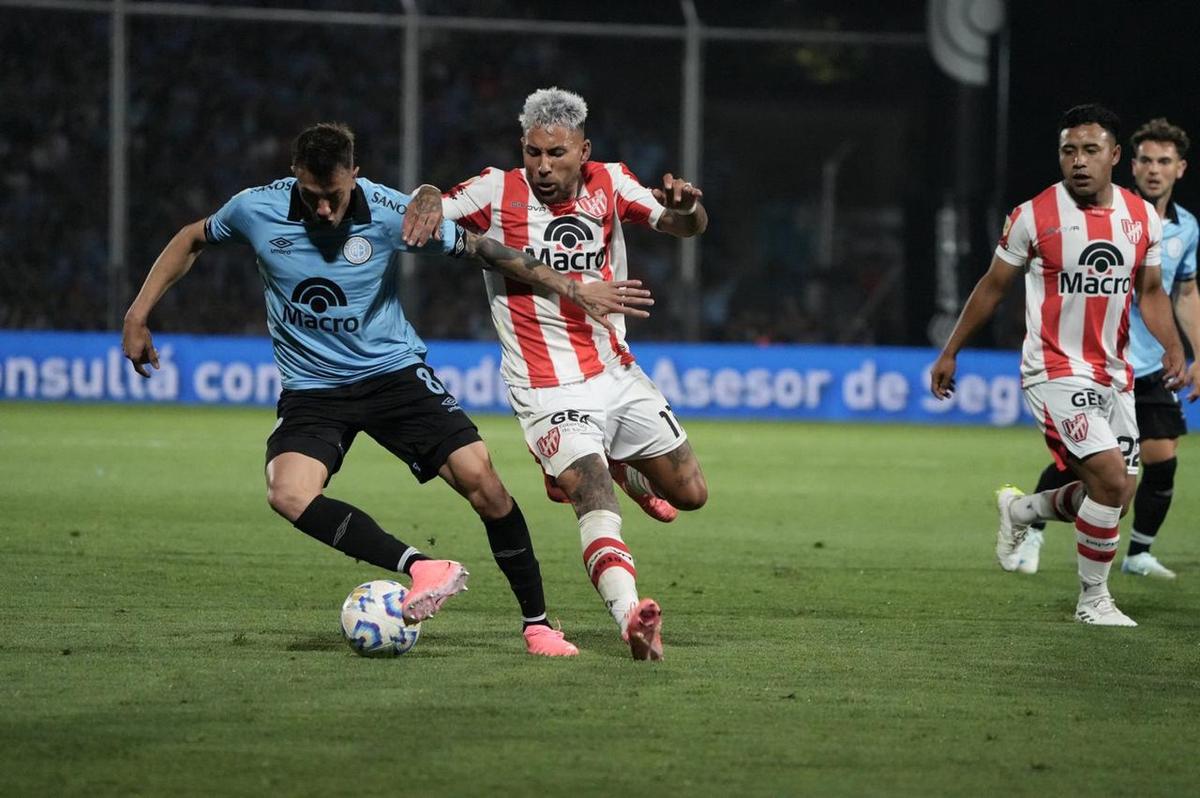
(213, 106)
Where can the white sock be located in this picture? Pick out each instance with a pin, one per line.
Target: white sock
(1096, 537)
(1032, 507)
(639, 482)
(1050, 505)
(608, 562)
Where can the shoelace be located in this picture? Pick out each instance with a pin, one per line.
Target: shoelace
(1105, 604)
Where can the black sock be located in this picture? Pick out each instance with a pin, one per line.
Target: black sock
(355, 534)
(1150, 503)
(1051, 479)
(513, 550)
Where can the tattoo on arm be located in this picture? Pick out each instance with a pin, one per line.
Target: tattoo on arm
(519, 265)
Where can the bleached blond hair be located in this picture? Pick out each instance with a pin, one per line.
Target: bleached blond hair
(553, 107)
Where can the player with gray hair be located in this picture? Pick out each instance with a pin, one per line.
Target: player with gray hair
(553, 107)
(351, 362)
(590, 415)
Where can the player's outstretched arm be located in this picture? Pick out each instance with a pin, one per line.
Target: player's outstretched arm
(172, 263)
(597, 298)
(980, 306)
(685, 216)
(1187, 310)
(1155, 306)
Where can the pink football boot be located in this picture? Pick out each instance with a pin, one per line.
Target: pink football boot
(643, 630)
(433, 581)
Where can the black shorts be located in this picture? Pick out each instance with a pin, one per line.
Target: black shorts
(407, 412)
(1159, 413)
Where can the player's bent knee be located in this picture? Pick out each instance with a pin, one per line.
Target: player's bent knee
(289, 501)
(693, 498)
(694, 494)
(1110, 492)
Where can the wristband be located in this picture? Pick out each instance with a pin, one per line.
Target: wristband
(688, 212)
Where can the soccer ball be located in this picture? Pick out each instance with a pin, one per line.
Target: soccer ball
(373, 623)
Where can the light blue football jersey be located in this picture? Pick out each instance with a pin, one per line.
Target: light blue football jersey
(1180, 234)
(333, 309)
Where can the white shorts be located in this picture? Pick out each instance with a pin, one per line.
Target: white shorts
(1080, 417)
(619, 413)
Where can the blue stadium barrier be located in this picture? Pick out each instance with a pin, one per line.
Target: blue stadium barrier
(837, 383)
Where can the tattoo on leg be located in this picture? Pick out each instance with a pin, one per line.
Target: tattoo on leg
(594, 487)
(684, 468)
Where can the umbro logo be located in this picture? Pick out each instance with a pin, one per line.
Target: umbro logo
(280, 245)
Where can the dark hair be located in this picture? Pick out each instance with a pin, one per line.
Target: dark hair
(322, 148)
(1162, 131)
(1092, 113)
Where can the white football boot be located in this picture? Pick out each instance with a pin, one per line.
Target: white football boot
(1100, 610)
(1146, 564)
(1029, 552)
(1010, 535)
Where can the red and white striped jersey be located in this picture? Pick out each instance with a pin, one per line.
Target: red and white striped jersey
(548, 340)
(1080, 265)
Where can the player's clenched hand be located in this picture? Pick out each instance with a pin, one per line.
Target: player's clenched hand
(423, 217)
(941, 376)
(677, 194)
(1176, 374)
(1193, 377)
(138, 346)
(599, 298)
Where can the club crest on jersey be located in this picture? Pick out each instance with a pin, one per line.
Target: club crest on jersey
(1133, 230)
(595, 206)
(357, 250)
(1076, 428)
(548, 443)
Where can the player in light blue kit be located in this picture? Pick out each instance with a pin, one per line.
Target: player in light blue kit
(350, 361)
(1159, 153)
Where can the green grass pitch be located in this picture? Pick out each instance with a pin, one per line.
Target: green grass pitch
(834, 622)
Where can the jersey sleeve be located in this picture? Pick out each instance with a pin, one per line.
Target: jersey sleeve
(453, 241)
(1154, 237)
(1187, 264)
(635, 203)
(230, 223)
(470, 202)
(389, 207)
(1016, 243)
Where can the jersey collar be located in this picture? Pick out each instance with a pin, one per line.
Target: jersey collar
(359, 210)
(1172, 214)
